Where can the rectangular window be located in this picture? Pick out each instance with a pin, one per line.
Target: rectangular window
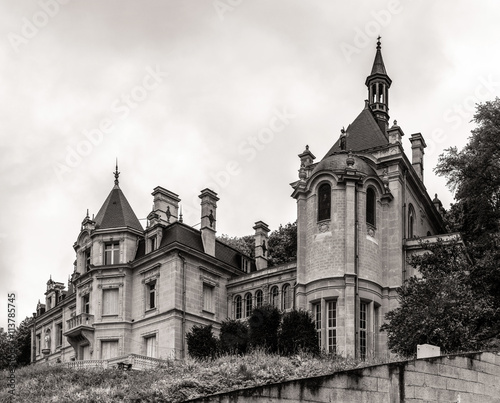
(59, 329)
(363, 309)
(86, 255)
(152, 243)
(317, 320)
(38, 343)
(49, 303)
(112, 253)
(110, 301)
(151, 346)
(151, 294)
(86, 303)
(332, 327)
(208, 298)
(109, 349)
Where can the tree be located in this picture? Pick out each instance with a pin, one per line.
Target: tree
(23, 340)
(440, 306)
(283, 244)
(263, 326)
(201, 342)
(297, 333)
(245, 244)
(233, 338)
(474, 174)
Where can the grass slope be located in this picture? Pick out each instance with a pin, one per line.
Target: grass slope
(175, 381)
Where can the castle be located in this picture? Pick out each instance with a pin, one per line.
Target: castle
(359, 209)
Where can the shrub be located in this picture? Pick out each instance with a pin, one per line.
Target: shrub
(201, 342)
(263, 327)
(297, 333)
(233, 337)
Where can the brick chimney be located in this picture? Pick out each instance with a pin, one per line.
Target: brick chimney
(209, 201)
(261, 240)
(417, 154)
(165, 207)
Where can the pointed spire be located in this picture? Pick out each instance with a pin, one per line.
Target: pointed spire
(378, 63)
(117, 174)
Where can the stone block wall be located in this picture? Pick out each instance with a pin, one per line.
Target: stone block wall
(467, 378)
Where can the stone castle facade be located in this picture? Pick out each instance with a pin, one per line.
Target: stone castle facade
(359, 209)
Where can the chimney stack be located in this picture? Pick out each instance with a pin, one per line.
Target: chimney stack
(165, 207)
(209, 201)
(417, 155)
(261, 239)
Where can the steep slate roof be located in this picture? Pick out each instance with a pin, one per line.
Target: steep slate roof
(116, 212)
(362, 134)
(190, 237)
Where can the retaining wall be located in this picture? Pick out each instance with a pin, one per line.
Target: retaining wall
(473, 377)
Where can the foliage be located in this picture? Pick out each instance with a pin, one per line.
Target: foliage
(283, 244)
(440, 307)
(201, 342)
(474, 174)
(263, 326)
(297, 333)
(175, 381)
(233, 338)
(244, 244)
(23, 340)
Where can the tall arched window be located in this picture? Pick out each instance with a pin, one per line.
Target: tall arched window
(370, 206)
(274, 297)
(411, 221)
(259, 298)
(287, 296)
(237, 307)
(248, 305)
(324, 201)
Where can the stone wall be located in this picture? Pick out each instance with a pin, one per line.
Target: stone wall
(473, 378)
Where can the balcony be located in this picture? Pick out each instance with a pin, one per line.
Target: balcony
(79, 323)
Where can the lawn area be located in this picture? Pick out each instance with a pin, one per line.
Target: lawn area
(175, 381)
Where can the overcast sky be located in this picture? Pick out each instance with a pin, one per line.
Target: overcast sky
(221, 94)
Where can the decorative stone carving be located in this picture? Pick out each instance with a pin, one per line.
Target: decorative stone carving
(324, 227)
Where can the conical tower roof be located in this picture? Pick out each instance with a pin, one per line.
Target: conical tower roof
(116, 211)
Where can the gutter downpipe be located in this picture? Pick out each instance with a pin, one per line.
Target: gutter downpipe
(183, 323)
(356, 273)
(403, 246)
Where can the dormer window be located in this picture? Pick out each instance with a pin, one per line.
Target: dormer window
(153, 243)
(324, 201)
(112, 253)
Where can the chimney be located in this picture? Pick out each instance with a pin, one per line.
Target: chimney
(395, 133)
(417, 154)
(209, 201)
(165, 206)
(261, 239)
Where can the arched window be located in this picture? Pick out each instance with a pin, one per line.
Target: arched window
(274, 297)
(411, 221)
(248, 305)
(237, 307)
(324, 201)
(287, 296)
(370, 206)
(259, 298)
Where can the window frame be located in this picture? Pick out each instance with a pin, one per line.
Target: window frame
(331, 326)
(259, 298)
(371, 207)
(248, 304)
(316, 308)
(324, 205)
(111, 253)
(238, 311)
(208, 296)
(286, 296)
(274, 297)
(86, 304)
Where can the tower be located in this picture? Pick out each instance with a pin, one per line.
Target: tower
(378, 83)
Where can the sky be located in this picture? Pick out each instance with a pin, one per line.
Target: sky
(221, 94)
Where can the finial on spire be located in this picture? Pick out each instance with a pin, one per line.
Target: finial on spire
(116, 173)
(87, 216)
(378, 42)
